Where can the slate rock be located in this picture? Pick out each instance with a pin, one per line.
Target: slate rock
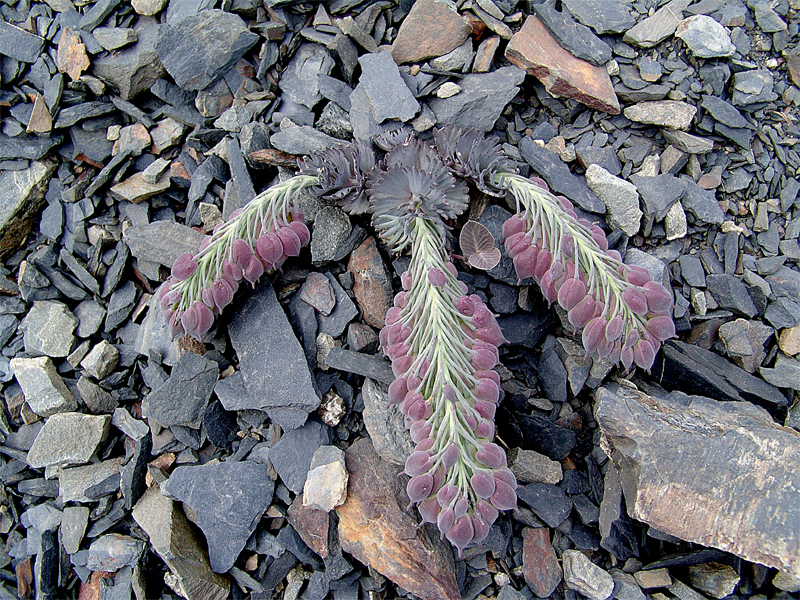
(604, 157)
(663, 113)
(386, 91)
(300, 81)
(172, 537)
(18, 44)
(785, 373)
(658, 27)
(431, 28)
(224, 38)
(331, 228)
(548, 502)
(161, 241)
(713, 578)
(68, 438)
(96, 399)
(692, 271)
(534, 432)
(313, 527)
(578, 39)
(362, 364)
(558, 176)
(705, 37)
(113, 551)
(113, 38)
(326, 482)
(384, 423)
(664, 464)
(228, 499)
(101, 360)
(604, 16)
(49, 328)
(620, 197)
(271, 360)
(73, 526)
(120, 305)
(552, 376)
(539, 562)
(731, 294)
(291, 455)
(585, 577)
(659, 193)
(376, 528)
(137, 67)
(192, 380)
(768, 20)
(45, 391)
(724, 112)
(372, 284)
(79, 484)
(531, 467)
(302, 139)
(534, 49)
(21, 192)
(753, 87)
(702, 203)
(135, 189)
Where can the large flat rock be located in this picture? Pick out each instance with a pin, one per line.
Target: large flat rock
(21, 200)
(720, 474)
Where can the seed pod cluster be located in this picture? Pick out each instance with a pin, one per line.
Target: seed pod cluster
(625, 315)
(443, 347)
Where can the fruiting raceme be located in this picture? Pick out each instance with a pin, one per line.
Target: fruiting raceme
(258, 238)
(625, 315)
(443, 345)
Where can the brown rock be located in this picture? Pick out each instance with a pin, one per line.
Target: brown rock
(789, 341)
(91, 590)
(432, 28)
(311, 525)
(317, 292)
(539, 562)
(21, 201)
(534, 49)
(166, 134)
(41, 120)
(377, 529)
(740, 498)
(133, 138)
(274, 158)
(793, 62)
(372, 283)
(71, 57)
(135, 189)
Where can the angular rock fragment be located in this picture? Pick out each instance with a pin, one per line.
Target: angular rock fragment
(326, 483)
(722, 502)
(664, 113)
(300, 81)
(658, 27)
(385, 426)
(135, 189)
(45, 391)
(135, 68)
(576, 38)
(431, 28)
(539, 562)
(18, 44)
(388, 94)
(22, 193)
(162, 241)
(68, 438)
(292, 454)
(372, 284)
(620, 197)
(585, 577)
(705, 37)
(49, 328)
(192, 380)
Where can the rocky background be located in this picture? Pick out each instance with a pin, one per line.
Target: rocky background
(264, 463)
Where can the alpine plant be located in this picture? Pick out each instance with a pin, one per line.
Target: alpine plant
(443, 343)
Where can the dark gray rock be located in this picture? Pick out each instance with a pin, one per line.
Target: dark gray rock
(604, 16)
(113, 551)
(743, 137)
(341, 315)
(271, 360)
(178, 10)
(603, 156)
(731, 294)
(67, 117)
(21, 200)
(49, 329)
(534, 432)
(549, 502)
(702, 203)
(724, 112)
(192, 380)
(241, 176)
(558, 176)
(576, 38)
(300, 81)
(385, 425)
(753, 87)
(527, 328)
(19, 44)
(161, 241)
(224, 38)
(681, 366)
(90, 315)
(659, 193)
(789, 193)
(386, 91)
(692, 271)
(302, 139)
(482, 98)
(553, 376)
(292, 455)
(96, 399)
(120, 305)
(228, 499)
(361, 364)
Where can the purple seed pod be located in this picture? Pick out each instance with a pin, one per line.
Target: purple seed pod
(548, 288)
(659, 300)
(638, 275)
(393, 315)
(205, 318)
(400, 300)
(184, 267)
(445, 520)
(481, 528)
(614, 329)
(269, 250)
(222, 291)
(483, 484)
(425, 445)
(491, 334)
(517, 244)
(206, 241)
(525, 263)
(572, 292)
(486, 409)
(254, 270)
(401, 365)
(429, 509)
(593, 334)
(232, 271)
(240, 253)
(661, 328)
(189, 320)
(635, 300)
(484, 430)
(418, 463)
(405, 280)
(488, 512)
(436, 277)
(487, 390)
(512, 226)
(175, 325)
(644, 354)
(208, 298)
(466, 306)
(290, 241)
(450, 456)
(504, 497)
(420, 431)
(582, 312)
(488, 375)
(543, 260)
(484, 360)
(419, 487)
(491, 455)
(626, 357)
(446, 495)
(451, 268)
(302, 232)
(556, 269)
(460, 508)
(398, 390)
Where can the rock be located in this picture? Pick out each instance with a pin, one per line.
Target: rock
(744, 342)
(658, 27)
(292, 454)
(172, 537)
(41, 121)
(731, 293)
(113, 38)
(44, 390)
(534, 432)
(302, 140)
(753, 87)
(49, 328)
(675, 223)
(664, 113)
(120, 305)
(22, 192)
(224, 38)
(385, 424)
(789, 340)
(101, 360)
(482, 98)
(331, 229)
(362, 338)
(659, 193)
(585, 577)
(578, 39)
(148, 8)
(317, 292)
(73, 526)
(723, 112)
(558, 176)
(228, 499)
(457, 60)
(534, 49)
(82, 484)
(313, 526)
(326, 483)
(548, 502)
(682, 366)
(705, 37)
(604, 16)
(362, 364)
(386, 91)
(96, 399)
(715, 579)
(161, 241)
(604, 157)
(300, 82)
(431, 28)
(531, 467)
(372, 283)
(785, 374)
(271, 360)
(670, 492)
(18, 44)
(114, 551)
(786, 582)
(137, 67)
(620, 197)
(192, 380)
(539, 562)
(653, 578)
(135, 189)
(702, 203)
(376, 528)
(68, 438)
(768, 20)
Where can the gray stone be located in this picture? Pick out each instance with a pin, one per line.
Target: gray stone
(687, 142)
(302, 139)
(326, 483)
(482, 98)
(620, 197)
(692, 271)
(18, 44)
(49, 328)
(331, 228)
(431, 28)
(362, 364)
(44, 390)
(233, 119)
(768, 20)
(113, 38)
(655, 266)
(192, 380)
(705, 37)
(722, 501)
(753, 87)
(133, 428)
(300, 81)
(585, 577)
(68, 438)
(715, 579)
(120, 305)
(653, 578)
(228, 499)
(8, 327)
(113, 551)
(702, 203)
(604, 16)
(291, 456)
(386, 91)
(173, 538)
(162, 242)
(744, 342)
(73, 525)
(531, 467)
(101, 360)
(604, 157)
(664, 113)
(385, 424)
(785, 373)
(731, 294)
(578, 39)
(457, 60)
(74, 484)
(96, 399)
(224, 38)
(137, 67)
(548, 502)
(659, 193)
(723, 112)
(658, 27)
(42, 518)
(90, 315)
(21, 193)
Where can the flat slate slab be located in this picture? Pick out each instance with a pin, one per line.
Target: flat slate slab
(192, 380)
(719, 474)
(21, 196)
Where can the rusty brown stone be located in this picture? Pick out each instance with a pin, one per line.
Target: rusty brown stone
(539, 561)
(135, 189)
(275, 158)
(24, 572)
(378, 530)
(372, 284)
(23, 199)
(793, 63)
(90, 590)
(311, 525)
(71, 57)
(534, 49)
(41, 120)
(432, 28)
